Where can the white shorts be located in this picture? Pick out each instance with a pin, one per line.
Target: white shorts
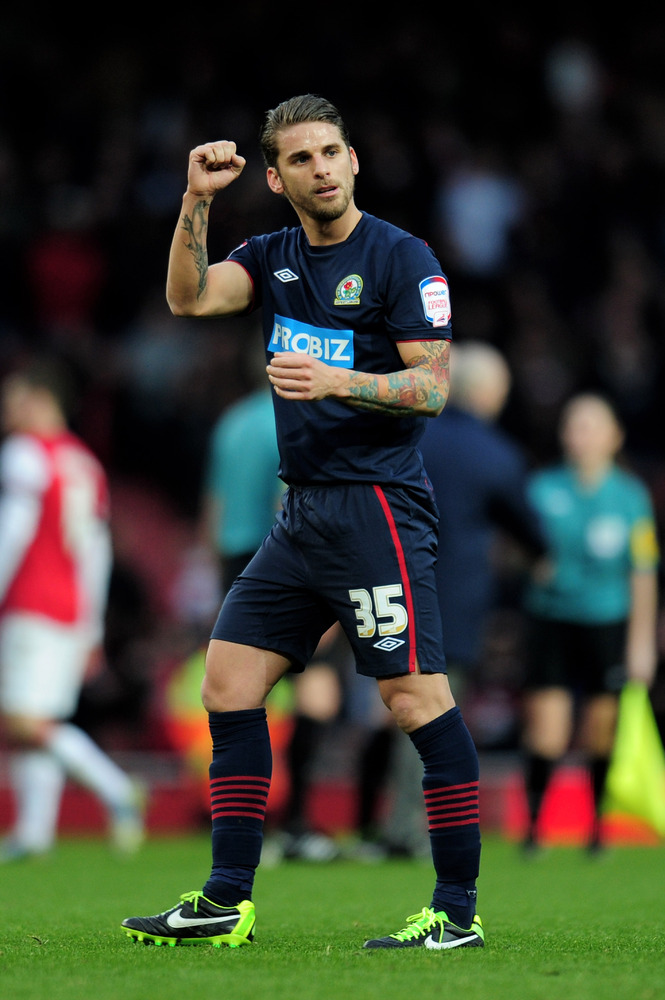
(42, 664)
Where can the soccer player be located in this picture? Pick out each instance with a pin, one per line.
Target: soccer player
(55, 560)
(356, 318)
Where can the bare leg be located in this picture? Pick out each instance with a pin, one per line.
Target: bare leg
(597, 732)
(548, 727)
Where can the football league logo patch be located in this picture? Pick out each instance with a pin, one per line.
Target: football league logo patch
(435, 295)
(348, 291)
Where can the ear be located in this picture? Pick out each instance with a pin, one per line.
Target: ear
(355, 166)
(274, 181)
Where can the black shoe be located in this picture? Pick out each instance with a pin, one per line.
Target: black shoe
(195, 920)
(428, 929)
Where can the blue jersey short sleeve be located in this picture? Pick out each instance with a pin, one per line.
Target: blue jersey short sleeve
(349, 304)
(597, 538)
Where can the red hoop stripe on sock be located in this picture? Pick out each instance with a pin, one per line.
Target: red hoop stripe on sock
(240, 795)
(453, 805)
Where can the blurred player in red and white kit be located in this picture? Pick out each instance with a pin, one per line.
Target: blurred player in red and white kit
(55, 563)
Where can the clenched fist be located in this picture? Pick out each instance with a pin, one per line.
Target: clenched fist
(212, 167)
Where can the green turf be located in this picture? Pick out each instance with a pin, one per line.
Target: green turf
(562, 926)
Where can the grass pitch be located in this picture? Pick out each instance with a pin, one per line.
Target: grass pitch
(562, 926)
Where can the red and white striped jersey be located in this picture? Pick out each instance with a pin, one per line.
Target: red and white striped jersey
(54, 535)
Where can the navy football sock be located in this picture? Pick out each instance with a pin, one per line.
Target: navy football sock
(240, 774)
(450, 786)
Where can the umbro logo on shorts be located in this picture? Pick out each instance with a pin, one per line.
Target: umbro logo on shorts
(389, 643)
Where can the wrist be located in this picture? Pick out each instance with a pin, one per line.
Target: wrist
(198, 198)
(342, 382)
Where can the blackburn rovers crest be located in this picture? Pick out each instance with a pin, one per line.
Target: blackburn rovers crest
(348, 291)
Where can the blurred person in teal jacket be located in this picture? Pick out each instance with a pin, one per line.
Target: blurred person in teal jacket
(592, 614)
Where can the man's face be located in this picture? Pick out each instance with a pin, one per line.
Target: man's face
(315, 170)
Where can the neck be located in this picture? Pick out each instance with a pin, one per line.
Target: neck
(324, 232)
(46, 423)
(591, 472)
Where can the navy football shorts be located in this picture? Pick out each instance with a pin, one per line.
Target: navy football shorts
(359, 554)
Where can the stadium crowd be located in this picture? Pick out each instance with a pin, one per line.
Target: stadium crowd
(529, 152)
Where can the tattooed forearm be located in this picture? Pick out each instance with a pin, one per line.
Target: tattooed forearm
(435, 359)
(422, 388)
(401, 394)
(197, 229)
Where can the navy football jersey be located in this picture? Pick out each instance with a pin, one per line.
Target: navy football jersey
(348, 304)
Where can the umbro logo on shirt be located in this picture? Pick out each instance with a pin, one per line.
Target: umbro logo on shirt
(285, 275)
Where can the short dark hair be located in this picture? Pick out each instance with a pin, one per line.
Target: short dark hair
(51, 375)
(295, 111)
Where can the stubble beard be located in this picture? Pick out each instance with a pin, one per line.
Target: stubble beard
(323, 211)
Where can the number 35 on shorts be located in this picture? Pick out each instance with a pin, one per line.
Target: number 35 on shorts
(376, 612)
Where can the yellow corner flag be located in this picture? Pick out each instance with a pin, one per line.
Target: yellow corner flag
(636, 777)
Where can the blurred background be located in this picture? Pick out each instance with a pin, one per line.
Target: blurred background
(528, 150)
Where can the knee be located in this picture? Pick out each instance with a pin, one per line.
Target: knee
(550, 747)
(407, 711)
(417, 699)
(209, 698)
(218, 697)
(222, 689)
(548, 741)
(24, 731)
(239, 677)
(231, 691)
(548, 722)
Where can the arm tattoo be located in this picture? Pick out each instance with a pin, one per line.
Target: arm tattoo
(197, 229)
(422, 387)
(405, 390)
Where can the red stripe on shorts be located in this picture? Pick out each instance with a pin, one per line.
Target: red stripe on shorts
(406, 583)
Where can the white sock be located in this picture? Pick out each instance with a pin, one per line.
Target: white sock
(86, 763)
(37, 780)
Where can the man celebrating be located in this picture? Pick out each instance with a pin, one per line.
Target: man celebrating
(356, 318)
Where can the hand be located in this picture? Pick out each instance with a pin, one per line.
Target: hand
(542, 571)
(213, 167)
(300, 376)
(642, 662)
(95, 663)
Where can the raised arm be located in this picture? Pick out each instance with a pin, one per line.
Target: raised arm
(194, 287)
(421, 387)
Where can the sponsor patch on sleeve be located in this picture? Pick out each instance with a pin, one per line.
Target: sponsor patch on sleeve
(436, 300)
